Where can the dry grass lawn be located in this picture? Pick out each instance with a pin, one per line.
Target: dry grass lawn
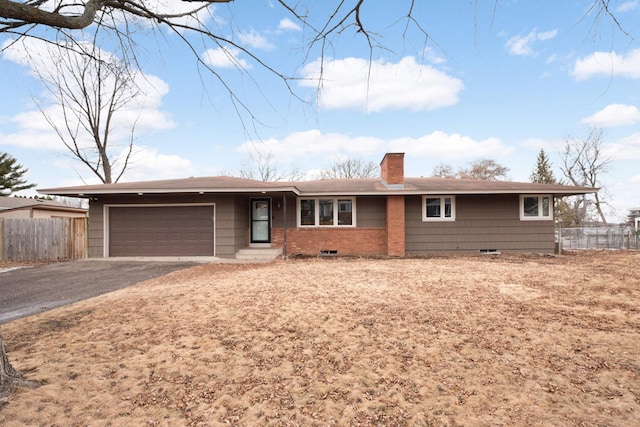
(475, 340)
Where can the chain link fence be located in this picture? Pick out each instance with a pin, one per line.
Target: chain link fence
(598, 238)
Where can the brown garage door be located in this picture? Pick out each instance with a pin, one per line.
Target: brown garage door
(161, 231)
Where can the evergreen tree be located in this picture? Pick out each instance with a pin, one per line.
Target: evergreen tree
(542, 172)
(11, 176)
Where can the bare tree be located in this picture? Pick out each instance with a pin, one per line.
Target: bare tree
(9, 377)
(117, 21)
(20, 17)
(481, 169)
(260, 165)
(349, 169)
(91, 89)
(583, 164)
(323, 27)
(484, 169)
(443, 170)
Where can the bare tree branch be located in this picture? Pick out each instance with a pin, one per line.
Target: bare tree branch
(261, 166)
(350, 169)
(16, 14)
(90, 89)
(583, 164)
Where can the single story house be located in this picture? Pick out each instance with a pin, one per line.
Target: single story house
(392, 215)
(21, 207)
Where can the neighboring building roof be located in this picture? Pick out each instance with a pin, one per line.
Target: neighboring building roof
(21, 203)
(368, 186)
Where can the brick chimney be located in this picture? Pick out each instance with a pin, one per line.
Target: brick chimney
(392, 170)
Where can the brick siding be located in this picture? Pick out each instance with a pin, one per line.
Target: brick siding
(395, 226)
(347, 241)
(392, 168)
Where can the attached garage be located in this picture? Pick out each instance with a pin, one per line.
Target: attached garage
(185, 230)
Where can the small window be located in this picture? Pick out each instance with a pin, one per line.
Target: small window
(345, 212)
(536, 207)
(307, 212)
(438, 208)
(326, 212)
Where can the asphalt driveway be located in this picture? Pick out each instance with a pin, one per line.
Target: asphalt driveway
(31, 290)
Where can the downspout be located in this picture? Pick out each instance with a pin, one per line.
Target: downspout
(284, 225)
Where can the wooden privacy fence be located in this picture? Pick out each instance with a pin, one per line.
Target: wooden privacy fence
(43, 239)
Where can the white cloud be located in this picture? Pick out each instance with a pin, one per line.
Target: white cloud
(523, 45)
(627, 6)
(608, 64)
(194, 14)
(288, 24)
(614, 115)
(547, 35)
(31, 128)
(225, 57)
(627, 148)
(431, 56)
(256, 41)
(147, 163)
(447, 147)
(314, 144)
(354, 83)
(313, 148)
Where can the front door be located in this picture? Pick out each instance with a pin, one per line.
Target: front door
(260, 220)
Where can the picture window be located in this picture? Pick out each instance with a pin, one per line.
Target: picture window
(438, 208)
(326, 212)
(536, 207)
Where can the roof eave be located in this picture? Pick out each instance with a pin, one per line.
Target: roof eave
(140, 191)
(560, 193)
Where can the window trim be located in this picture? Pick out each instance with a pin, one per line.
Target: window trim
(441, 218)
(336, 207)
(540, 216)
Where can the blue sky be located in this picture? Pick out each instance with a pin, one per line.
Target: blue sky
(497, 80)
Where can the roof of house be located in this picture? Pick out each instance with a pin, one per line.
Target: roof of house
(21, 203)
(336, 187)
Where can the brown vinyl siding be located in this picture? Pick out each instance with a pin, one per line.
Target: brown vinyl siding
(225, 221)
(482, 222)
(96, 229)
(371, 211)
(240, 228)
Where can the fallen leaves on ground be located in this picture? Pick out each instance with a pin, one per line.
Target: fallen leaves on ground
(445, 341)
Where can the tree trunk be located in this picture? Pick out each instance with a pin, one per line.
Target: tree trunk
(9, 377)
(599, 210)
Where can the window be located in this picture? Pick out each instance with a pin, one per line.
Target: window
(307, 212)
(438, 208)
(326, 212)
(345, 212)
(536, 207)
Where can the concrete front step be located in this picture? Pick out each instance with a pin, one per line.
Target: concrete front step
(259, 253)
